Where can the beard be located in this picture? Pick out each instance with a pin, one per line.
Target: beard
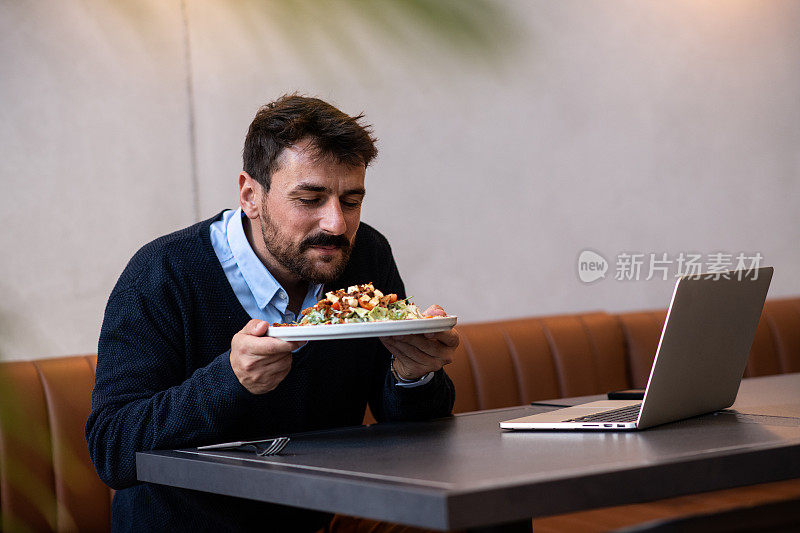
(293, 257)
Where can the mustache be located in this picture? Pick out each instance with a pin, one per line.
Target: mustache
(323, 239)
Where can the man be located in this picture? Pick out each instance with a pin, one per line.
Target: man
(183, 359)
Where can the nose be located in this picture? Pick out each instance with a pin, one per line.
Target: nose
(332, 220)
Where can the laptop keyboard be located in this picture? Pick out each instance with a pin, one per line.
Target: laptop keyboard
(623, 414)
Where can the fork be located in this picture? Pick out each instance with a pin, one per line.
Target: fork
(274, 447)
(262, 447)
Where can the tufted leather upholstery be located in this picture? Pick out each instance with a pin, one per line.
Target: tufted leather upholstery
(514, 362)
(500, 364)
(47, 481)
(776, 347)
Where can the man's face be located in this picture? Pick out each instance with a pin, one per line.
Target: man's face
(311, 213)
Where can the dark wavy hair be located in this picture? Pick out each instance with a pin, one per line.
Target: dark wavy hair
(292, 117)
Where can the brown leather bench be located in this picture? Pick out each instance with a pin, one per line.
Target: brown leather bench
(47, 481)
(515, 362)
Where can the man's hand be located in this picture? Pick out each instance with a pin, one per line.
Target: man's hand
(260, 363)
(416, 355)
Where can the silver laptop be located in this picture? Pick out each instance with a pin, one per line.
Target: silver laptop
(699, 363)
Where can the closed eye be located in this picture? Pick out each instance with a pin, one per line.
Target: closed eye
(308, 201)
(351, 203)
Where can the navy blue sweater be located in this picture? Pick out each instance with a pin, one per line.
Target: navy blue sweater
(164, 381)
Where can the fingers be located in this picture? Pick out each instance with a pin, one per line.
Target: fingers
(255, 327)
(409, 363)
(435, 310)
(267, 346)
(421, 350)
(260, 363)
(448, 338)
(260, 375)
(441, 344)
(414, 355)
(251, 340)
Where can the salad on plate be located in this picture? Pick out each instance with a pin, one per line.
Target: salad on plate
(357, 304)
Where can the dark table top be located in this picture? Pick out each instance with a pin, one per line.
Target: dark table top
(464, 471)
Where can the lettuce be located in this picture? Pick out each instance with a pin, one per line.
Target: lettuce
(378, 313)
(314, 317)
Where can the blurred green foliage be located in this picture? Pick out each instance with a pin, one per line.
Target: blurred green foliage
(481, 31)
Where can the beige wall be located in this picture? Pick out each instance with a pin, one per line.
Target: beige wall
(617, 126)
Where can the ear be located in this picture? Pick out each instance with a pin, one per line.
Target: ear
(250, 192)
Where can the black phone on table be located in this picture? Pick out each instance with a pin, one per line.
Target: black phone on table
(626, 394)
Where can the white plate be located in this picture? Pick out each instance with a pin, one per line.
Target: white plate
(362, 329)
